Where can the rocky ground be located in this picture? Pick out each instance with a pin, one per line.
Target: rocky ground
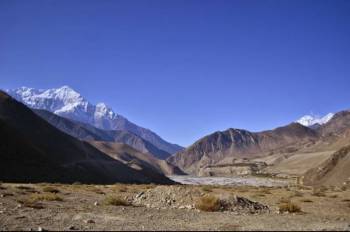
(151, 207)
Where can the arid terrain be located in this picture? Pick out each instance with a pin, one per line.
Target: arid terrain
(177, 207)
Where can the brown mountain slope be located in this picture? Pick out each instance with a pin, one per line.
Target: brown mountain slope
(235, 143)
(333, 172)
(35, 151)
(87, 132)
(136, 159)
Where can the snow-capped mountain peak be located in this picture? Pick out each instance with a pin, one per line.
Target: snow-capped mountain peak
(68, 103)
(63, 101)
(311, 120)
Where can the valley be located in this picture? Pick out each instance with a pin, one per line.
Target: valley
(87, 169)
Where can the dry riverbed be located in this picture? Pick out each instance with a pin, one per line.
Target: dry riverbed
(151, 207)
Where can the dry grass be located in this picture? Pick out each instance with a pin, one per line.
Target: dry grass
(28, 203)
(289, 207)
(120, 188)
(208, 204)
(33, 201)
(97, 190)
(49, 189)
(44, 197)
(25, 189)
(115, 201)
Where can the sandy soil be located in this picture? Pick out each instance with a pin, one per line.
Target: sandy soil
(84, 207)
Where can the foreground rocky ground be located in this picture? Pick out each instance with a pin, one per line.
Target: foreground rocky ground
(151, 207)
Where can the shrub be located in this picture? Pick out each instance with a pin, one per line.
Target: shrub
(208, 204)
(289, 208)
(116, 201)
(25, 188)
(44, 197)
(30, 204)
(49, 189)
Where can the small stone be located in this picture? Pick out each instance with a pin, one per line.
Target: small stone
(123, 209)
(41, 229)
(89, 221)
(1, 212)
(96, 203)
(73, 228)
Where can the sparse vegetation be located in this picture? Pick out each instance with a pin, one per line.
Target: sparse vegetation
(44, 197)
(115, 201)
(346, 200)
(333, 196)
(96, 190)
(289, 207)
(208, 204)
(28, 203)
(49, 189)
(26, 188)
(120, 188)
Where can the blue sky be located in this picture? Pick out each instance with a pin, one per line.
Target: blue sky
(185, 68)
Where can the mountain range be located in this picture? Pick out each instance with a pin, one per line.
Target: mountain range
(56, 135)
(68, 103)
(32, 150)
(291, 147)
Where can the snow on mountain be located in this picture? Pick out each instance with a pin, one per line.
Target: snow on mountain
(66, 102)
(311, 120)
